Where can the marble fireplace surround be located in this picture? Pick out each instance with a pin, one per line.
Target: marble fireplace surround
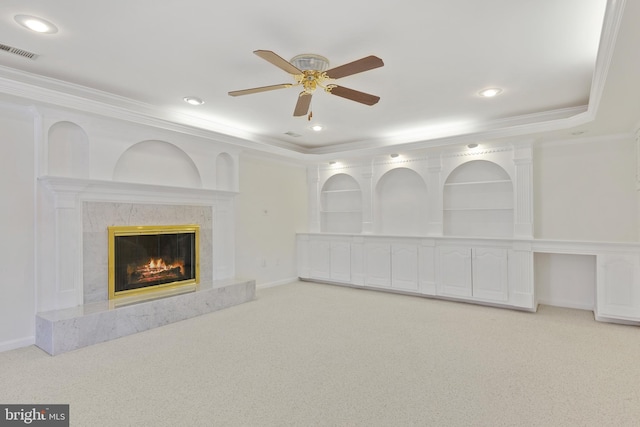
(72, 294)
(97, 216)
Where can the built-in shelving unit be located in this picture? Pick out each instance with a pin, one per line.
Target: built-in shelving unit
(401, 203)
(341, 205)
(478, 200)
(456, 224)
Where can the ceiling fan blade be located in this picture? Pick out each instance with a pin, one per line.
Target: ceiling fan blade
(302, 106)
(354, 95)
(278, 61)
(364, 64)
(259, 89)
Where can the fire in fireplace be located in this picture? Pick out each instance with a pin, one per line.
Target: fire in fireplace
(144, 259)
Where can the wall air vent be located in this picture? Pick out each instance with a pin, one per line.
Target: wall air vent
(19, 52)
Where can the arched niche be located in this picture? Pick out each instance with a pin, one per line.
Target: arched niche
(157, 162)
(401, 203)
(341, 205)
(478, 201)
(224, 172)
(68, 151)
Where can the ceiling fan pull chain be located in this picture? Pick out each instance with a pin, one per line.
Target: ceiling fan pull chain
(309, 116)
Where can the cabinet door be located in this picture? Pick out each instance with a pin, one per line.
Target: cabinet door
(490, 274)
(320, 259)
(378, 264)
(341, 261)
(404, 266)
(454, 271)
(618, 286)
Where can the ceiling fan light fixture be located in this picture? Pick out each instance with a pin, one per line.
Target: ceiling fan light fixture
(36, 24)
(310, 61)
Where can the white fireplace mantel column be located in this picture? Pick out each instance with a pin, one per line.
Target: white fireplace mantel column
(60, 272)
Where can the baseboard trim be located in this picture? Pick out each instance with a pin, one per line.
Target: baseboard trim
(277, 283)
(19, 343)
(567, 304)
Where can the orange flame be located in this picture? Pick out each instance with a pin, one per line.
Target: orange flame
(156, 265)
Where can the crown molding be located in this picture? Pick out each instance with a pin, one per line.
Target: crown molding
(610, 28)
(71, 96)
(626, 136)
(62, 94)
(115, 191)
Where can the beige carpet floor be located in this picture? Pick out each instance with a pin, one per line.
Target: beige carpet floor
(309, 354)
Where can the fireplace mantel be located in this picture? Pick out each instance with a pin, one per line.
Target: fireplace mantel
(69, 189)
(60, 233)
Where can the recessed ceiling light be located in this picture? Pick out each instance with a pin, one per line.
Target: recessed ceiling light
(490, 92)
(317, 128)
(36, 24)
(193, 100)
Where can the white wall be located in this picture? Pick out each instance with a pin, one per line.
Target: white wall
(17, 222)
(583, 190)
(586, 190)
(270, 210)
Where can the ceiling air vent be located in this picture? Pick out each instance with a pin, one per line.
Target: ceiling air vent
(293, 134)
(19, 52)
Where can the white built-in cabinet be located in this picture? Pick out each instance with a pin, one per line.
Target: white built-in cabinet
(377, 264)
(330, 260)
(391, 265)
(404, 260)
(400, 224)
(618, 290)
(486, 271)
(473, 270)
(450, 223)
(478, 272)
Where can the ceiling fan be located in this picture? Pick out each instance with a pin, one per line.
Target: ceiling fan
(310, 72)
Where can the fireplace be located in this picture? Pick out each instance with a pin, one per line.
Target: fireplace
(148, 259)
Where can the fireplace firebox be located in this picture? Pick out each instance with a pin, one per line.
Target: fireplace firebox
(147, 259)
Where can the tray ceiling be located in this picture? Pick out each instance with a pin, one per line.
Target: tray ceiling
(146, 57)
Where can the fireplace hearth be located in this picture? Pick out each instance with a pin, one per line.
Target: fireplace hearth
(146, 259)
